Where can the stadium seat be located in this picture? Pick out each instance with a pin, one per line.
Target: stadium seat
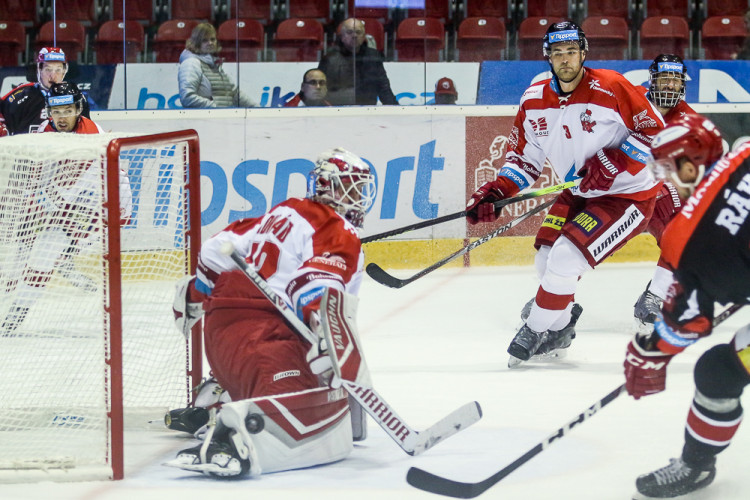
(145, 12)
(298, 40)
(481, 39)
(85, 12)
(70, 36)
(320, 10)
(652, 8)
(607, 8)
(530, 34)
(725, 7)
(202, 10)
(169, 41)
(664, 35)
(26, 12)
(354, 10)
(12, 43)
(375, 29)
(109, 42)
(722, 36)
(547, 8)
(420, 39)
(244, 34)
(263, 11)
(488, 8)
(609, 37)
(438, 9)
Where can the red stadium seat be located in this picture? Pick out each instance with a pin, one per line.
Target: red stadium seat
(109, 47)
(681, 8)
(244, 34)
(420, 39)
(487, 8)
(609, 37)
(170, 38)
(722, 36)
(375, 29)
(608, 8)
(85, 12)
(26, 12)
(530, 34)
(298, 40)
(143, 11)
(547, 8)
(725, 7)
(439, 9)
(320, 10)
(70, 36)
(356, 8)
(12, 43)
(664, 35)
(202, 10)
(262, 11)
(481, 39)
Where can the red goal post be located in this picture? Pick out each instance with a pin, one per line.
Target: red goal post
(94, 232)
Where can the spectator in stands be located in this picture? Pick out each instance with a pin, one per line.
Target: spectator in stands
(203, 82)
(313, 91)
(445, 91)
(355, 71)
(744, 52)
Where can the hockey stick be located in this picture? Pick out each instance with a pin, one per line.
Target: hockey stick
(378, 274)
(411, 441)
(498, 205)
(432, 483)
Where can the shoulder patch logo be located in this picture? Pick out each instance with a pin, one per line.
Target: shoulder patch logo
(539, 126)
(642, 120)
(587, 124)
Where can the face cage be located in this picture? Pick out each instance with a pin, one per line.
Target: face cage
(352, 200)
(666, 98)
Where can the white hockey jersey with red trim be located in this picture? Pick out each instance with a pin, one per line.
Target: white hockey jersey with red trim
(604, 111)
(300, 247)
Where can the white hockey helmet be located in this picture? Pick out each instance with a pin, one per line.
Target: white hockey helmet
(343, 181)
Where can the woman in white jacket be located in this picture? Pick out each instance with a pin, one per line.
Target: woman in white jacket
(203, 82)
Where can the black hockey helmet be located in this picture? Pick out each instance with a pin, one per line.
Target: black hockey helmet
(565, 31)
(63, 93)
(666, 66)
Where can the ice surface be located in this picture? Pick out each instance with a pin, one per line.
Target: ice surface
(440, 342)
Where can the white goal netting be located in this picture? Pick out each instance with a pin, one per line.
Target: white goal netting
(74, 272)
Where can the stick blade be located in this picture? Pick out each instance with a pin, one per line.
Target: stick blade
(378, 274)
(453, 423)
(427, 481)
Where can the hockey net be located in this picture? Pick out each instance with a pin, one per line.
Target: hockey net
(94, 232)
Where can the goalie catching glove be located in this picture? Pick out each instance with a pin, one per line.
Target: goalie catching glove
(601, 170)
(481, 208)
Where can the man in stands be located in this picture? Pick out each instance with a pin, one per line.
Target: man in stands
(65, 108)
(313, 91)
(24, 108)
(707, 244)
(590, 124)
(301, 248)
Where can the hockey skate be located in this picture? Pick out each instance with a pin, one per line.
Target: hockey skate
(674, 480)
(556, 342)
(188, 419)
(645, 311)
(524, 345)
(217, 457)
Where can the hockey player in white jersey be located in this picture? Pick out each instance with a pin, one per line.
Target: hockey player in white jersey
(588, 123)
(283, 414)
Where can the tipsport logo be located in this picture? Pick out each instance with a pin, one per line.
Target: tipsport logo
(563, 36)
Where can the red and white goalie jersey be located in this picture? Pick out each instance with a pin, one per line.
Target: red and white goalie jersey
(300, 248)
(604, 111)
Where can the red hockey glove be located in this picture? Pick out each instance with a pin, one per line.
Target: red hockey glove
(480, 207)
(668, 204)
(645, 370)
(601, 170)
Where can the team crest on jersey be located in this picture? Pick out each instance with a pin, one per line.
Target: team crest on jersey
(586, 222)
(587, 123)
(540, 127)
(642, 120)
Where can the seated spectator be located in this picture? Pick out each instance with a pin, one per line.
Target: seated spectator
(313, 91)
(203, 82)
(355, 71)
(445, 91)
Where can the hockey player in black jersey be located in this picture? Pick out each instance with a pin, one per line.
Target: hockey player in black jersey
(708, 246)
(25, 107)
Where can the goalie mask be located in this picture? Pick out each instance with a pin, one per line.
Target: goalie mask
(342, 180)
(667, 76)
(691, 137)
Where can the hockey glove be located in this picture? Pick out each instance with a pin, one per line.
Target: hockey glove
(480, 207)
(668, 204)
(601, 170)
(645, 367)
(187, 305)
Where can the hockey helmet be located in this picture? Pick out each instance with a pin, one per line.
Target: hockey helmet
(565, 31)
(343, 181)
(692, 137)
(64, 93)
(666, 66)
(51, 54)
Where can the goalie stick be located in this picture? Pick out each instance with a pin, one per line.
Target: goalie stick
(411, 441)
(498, 205)
(426, 481)
(378, 274)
